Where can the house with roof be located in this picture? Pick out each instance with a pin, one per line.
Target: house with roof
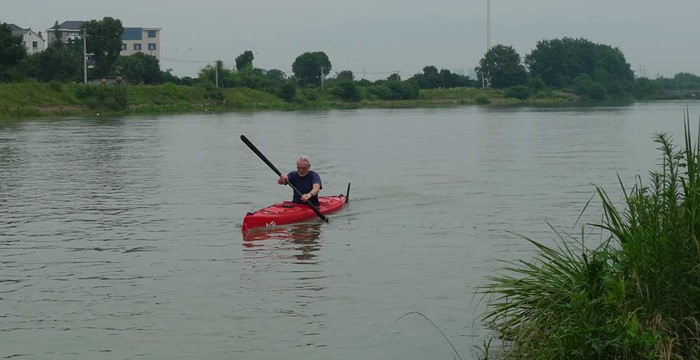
(67, 31)
(33, 42)
(134, 39)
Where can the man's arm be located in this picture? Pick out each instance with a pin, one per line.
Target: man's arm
(282, 180)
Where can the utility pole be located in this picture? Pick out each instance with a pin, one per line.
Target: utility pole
(488, 37)
(321, 77)
(84, 57)
(488, 25)
(216, 73)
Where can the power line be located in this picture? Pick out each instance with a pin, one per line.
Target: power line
(187, 61)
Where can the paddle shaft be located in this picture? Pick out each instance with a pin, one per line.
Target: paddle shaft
(274, 168)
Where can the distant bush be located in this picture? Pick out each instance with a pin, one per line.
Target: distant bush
(395, 90)
(214, 93)
(113, 97)
(380, 91)
(346, 90)
(521, 92)
(287, 91)
(56, 86)
(482, 100)
(536, 85)
(121, 96)
(311, 94)
(587, 87)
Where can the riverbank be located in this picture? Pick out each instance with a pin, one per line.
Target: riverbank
(25, 100)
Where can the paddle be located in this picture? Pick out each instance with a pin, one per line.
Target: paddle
(263, 158)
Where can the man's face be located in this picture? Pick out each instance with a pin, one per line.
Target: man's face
(302, 168)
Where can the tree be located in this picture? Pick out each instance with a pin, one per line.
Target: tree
(645, 88)
(104, 41)
(452, 80)
(429, 79)
(404, 90)
(216, 73)
(395, 90)
(345, 75)
(346, 90)
(245, 59)
(309, 66)
(60, 62)
(612, 61)
(138, 68)
(502, 68)
(251, 78)
(558, 62)
(274, 77)
(12, 51)
(287, 91)
(521, 92)
(395, 77)
(432, 79)
(588, 88)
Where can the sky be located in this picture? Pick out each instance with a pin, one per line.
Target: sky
(374, 38)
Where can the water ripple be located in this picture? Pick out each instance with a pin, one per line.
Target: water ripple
(121, 237)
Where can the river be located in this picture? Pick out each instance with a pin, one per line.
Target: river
(120, 237)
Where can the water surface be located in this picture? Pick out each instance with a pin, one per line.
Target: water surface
(120, 238)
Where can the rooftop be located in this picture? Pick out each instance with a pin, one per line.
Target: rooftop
(68, 25)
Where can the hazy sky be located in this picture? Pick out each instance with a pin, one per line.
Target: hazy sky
(378, 37)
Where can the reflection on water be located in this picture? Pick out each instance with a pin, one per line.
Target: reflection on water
(118, 238)
(285, 252)
(298, 241)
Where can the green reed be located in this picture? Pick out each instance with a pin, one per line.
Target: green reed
(635, 296)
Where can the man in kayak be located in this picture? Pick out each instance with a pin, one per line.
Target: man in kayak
(306, 181)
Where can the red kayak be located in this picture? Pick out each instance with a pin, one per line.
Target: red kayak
(288, 212)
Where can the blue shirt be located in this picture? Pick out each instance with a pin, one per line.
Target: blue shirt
(304, 184)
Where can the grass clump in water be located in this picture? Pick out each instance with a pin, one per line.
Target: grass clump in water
(636, 296)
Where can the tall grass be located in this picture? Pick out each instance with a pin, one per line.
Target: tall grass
(636, 296)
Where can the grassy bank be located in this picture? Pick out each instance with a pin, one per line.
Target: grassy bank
(24, 100)
(636, 296)
(56, 99)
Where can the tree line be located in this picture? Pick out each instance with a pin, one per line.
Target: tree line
(593, 71)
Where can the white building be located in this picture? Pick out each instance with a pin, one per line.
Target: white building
(143, 40)
(134, 39)
(68, 30)
(33, 42)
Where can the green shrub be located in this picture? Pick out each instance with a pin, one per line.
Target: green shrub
(113, 97)
(521, 92)
(287, 91)
(536, 85)
(482, 100)
(56, 86)
(635, 296)
(346, 90)
(214, 93)
(380, 91)
(585, 86)
(120, 96)
(311, 94)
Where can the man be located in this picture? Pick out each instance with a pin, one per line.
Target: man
(306, 181)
